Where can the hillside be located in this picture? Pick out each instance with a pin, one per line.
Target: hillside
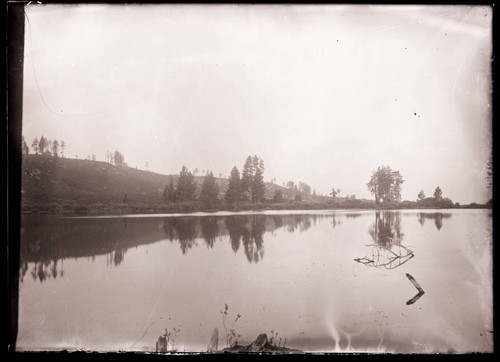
(50, 180)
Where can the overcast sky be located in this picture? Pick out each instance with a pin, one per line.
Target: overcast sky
(323, 94)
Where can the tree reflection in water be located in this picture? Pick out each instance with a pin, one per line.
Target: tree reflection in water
(46, 243)
(234, 226)
(436, 216)
(209, 229)
(387, 251)
(253, 238)
(115, 257)
(183, 229)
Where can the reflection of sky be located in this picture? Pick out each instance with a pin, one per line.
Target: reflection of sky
(307, 288)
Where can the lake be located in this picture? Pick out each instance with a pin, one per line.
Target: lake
(327, 281)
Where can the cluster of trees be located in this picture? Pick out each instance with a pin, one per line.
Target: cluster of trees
(300, 191)
(44, 146)
(437, 200)
(115, 158)
(185, 188)
(385, 184)
(250, 186)
(48, 147)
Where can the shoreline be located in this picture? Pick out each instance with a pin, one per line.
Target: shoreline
(148, 212)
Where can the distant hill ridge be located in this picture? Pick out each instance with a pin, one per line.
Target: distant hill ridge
(47, 179)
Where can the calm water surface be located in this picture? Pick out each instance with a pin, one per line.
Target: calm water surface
(325, 281)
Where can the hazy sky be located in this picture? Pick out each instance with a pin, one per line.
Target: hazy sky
(323, 94)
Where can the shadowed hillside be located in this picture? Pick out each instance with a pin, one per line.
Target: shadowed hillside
(62, 182)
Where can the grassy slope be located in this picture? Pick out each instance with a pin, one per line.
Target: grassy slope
(50, 180)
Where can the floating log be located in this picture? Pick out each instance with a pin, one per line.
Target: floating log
(419, 288)
(415, 283)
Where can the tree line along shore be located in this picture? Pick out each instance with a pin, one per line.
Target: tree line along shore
(54, 184)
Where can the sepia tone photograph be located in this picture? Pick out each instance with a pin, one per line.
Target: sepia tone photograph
(256, 179)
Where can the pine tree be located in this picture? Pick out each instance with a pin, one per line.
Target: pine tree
(234, 191)
(55, 148)
(35, 145)
(48, 146)
(42, 144)
(186, 187)
(247, 177)
(258, 187)
(209, 190)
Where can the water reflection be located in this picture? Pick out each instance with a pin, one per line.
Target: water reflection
(387, 251)
(46, 242)
(253, 238)
(209, 230)
(182, 229)
(386, 230)
(436, 216)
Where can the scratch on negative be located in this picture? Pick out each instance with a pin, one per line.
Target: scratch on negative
(67, 315)
(388, 28)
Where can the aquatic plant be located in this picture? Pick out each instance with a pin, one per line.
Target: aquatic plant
(231, 335)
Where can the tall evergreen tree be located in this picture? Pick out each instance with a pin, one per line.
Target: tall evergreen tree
(234, 191)
(35, 145)
(48, 146)
(258, 187)
(209, 190)
(42, 144)
(247, 177)
(186, 186)
(55, 148)
(63, 146)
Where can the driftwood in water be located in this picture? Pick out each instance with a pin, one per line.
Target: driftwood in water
(386, 257)
(419, 288)
(261, 344)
